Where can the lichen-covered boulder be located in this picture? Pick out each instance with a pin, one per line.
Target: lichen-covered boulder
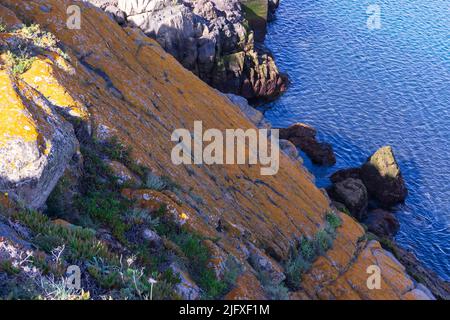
(36, 144)
(383, 179)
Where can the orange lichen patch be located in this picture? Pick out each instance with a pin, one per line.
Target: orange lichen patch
(321, 272)
(42, 77)
(247, 288)
(357, 276)
(63, 223)
(393, 272)
(346, 242)
(340, 289)
(16, 122)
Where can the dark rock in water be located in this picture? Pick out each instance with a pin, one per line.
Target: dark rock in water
(321, 153)
(382, 223)
(383, 179)
(353, 194)
(343, 174)
(298, 130)
(273, 6)
(304, 137)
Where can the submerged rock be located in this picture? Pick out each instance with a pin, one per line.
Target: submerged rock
(383, 179)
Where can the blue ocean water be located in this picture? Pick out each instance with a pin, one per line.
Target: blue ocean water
(363, 89)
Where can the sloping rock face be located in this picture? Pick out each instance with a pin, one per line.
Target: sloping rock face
(210, 38)
(133, 89)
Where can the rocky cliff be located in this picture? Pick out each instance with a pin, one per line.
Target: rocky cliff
(72, 99)
(219, 40)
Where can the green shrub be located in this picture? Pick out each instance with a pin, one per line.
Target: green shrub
(307, 249)
(294, 269)
(323, 241)
(155, 182)
(333, 220)
(20, 63)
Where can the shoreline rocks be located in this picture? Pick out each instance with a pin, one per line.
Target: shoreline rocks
(303, 136)
(212, 39)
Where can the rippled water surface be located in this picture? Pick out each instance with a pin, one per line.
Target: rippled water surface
(366, 88)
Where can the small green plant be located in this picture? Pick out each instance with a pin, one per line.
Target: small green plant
(141, 216)
(294, 268)
(19, 63)
(7, 266)
(307, 249)
(333, 220)
(2, 27)
(323, 241)
(155, 182)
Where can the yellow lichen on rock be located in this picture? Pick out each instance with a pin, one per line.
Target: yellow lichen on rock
(41, 76)
(135, 90)
(16, 122)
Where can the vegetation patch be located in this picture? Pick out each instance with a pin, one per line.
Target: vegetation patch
(308, 251)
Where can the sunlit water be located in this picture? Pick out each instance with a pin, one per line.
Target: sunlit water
(363, 89)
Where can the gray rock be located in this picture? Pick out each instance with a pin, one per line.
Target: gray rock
(187, 289)
(152, 237)
(264, 264)
(254, 115)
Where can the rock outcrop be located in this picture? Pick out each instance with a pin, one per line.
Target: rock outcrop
(304, 137)
(210, 38)
(132, 89)
(383, 179)
(36, 142)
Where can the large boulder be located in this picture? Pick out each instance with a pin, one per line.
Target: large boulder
(304, 137)
(36, 144)
(383, 179)
(353, 194)
(382, 223)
